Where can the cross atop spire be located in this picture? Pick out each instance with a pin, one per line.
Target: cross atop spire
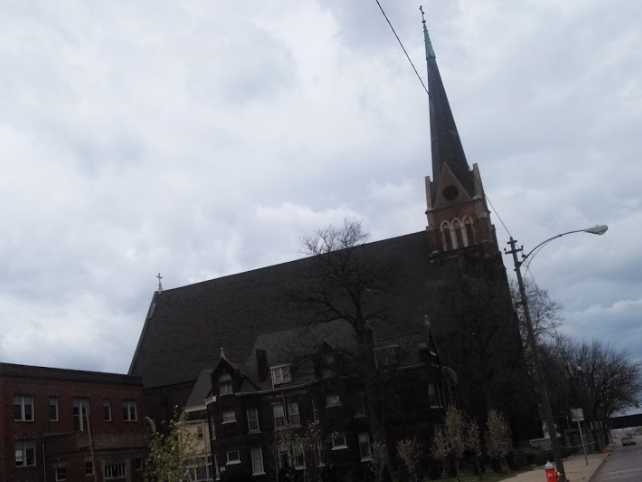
(160, 285)
(445, 144)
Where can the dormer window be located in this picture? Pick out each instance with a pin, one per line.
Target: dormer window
(225, 385)
(281, 374)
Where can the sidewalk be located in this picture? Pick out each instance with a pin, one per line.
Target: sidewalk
(576, 470)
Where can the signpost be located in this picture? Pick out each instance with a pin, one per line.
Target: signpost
(577, 415)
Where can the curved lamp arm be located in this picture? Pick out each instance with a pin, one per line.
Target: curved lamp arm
(597, 230)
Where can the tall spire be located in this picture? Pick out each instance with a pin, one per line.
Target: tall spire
(444, 138)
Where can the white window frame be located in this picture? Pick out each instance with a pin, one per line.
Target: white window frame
(24, 401)
(81, 405)
(337, 437)
(253, 424)
(279, 407)
(21, 447)
(53, 402)
(130, 415)
(57, 476)
(234, 461)
(256, 455)
(332, 400)
(281, 374)
(298, 450)
(364, 438)
(225, 386)
(120, 471)
(294, 416)
(228, 416)
(318, 448)
(107, 406)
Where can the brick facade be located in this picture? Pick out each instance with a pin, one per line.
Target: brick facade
(35, 445)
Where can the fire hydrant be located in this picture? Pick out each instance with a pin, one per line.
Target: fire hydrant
(551, 473)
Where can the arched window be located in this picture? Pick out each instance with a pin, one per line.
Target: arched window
(470, 230)
(445, 236)
(457, 230)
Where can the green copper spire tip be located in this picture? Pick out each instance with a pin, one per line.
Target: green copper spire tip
(430, 53)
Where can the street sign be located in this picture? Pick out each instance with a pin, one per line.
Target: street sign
(577, 414)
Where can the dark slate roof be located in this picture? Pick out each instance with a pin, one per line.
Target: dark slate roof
(47, 373)
(186, 326)
(201, 390)
(445, 143)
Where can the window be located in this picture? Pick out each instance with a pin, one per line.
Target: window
(299, 456)
(115, 471)
(23, 408)
(360, 409)
(253, 420)
(60, 472)
(229, 416)
(52, 410)
(281, 374)
(279, 415)
(364, 447)
(80, 413)
(89, 467)
(107, 411)
(225, 385)
(332, 400)
(319, 453)
(199, 469)
(257, 461)
(433, 396)
(233, 457)
(294, 418)
(469, 234)
(283, 456)
(25, 453)
(445, 236)
(339, 441)
(130, 413)
(457, 232)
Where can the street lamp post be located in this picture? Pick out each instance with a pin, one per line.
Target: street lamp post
(540, 382)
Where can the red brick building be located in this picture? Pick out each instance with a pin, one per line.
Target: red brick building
(70, 425)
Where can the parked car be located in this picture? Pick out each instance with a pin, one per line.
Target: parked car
(628, 440)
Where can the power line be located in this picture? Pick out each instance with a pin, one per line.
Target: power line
(499, 217)
(421, 81)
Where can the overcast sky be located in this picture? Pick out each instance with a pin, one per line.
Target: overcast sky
(205, 138)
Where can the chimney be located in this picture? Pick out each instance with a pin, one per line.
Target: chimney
(261, 365)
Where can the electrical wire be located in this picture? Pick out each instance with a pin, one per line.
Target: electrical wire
(421, 81)
(510, 235)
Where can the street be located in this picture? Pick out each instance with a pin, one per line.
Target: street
(623, 465)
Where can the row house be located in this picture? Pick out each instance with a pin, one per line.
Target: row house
(297, 409)
(70, 425)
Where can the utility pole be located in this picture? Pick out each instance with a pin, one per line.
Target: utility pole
(540, 382)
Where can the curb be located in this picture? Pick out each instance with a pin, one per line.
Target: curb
(599, 467)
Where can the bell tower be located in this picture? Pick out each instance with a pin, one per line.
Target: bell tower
(458, 216)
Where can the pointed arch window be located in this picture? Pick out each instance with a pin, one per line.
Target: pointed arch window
(445, 236)
(457, 233)
(469, 231)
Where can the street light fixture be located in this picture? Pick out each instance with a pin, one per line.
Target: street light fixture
(547, 412)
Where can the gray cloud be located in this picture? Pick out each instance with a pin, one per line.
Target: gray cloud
(199, 141)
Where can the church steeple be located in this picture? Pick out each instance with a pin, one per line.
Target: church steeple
(458, 216)
(445, 144)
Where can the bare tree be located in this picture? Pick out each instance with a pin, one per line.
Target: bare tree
(545, 312)
(345, 283)
(603, 380)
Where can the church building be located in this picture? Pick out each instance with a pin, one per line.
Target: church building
(451, 272)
